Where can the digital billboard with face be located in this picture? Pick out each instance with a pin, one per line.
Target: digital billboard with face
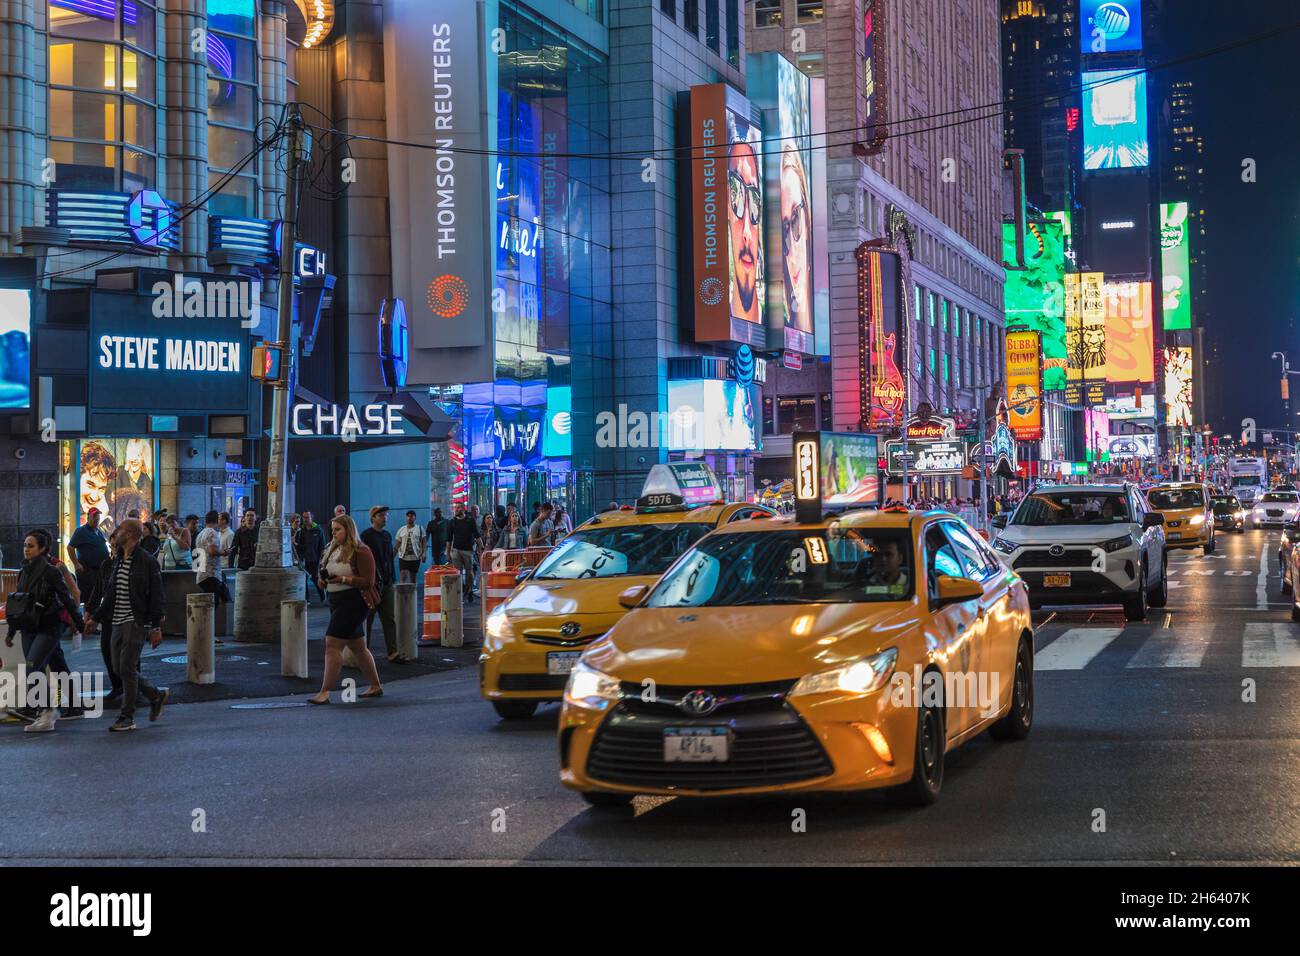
(1130, 346)
(15, 348)
(1178, 386)
(725, 169)
(116, 475)
(1115, 119)
(711, 415)
(1174, 255)
(1035, 295)
(1110, 26)
(783, 92)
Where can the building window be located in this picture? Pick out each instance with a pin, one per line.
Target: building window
(916, 303)
(827, 419)
(810, 11)
(796, 413)
(691, 16)
(712, 25)
(232, 104)
(943, 308)
(592, 8)
(932, 361)
(932, 307)
(767, 13)
(733, 32)
(103, 90)
(669, 9)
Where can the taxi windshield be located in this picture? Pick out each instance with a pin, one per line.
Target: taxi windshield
(622, 549)
(1170, 499)
(1072, 508)
(832, 566)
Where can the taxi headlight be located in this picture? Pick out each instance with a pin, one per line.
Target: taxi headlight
(1005, 546)
(860, 677)
(1197, 520)
(590, 688)
(498, 625)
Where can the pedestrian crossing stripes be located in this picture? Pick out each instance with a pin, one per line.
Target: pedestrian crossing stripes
(1263, 644)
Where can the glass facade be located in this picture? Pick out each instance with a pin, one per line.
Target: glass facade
(103, 94)
(533, 426)
(232, 103)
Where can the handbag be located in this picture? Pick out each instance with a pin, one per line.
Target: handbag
(22, 611)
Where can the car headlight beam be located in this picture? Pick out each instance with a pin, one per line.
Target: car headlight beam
(860, 677)
(497, 625)
(591, 689)
(1005, 546)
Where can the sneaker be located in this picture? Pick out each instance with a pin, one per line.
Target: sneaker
(122, 724)
(43, 723)
(156, 705)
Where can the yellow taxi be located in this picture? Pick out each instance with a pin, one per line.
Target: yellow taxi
(784, 654)
(532, 641)
(1187, 508)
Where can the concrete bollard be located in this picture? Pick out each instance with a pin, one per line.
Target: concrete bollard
(453, 613)
(200, 639)
(404, 613)
(293, 638)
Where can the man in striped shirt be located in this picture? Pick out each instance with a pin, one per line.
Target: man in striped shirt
(132, 601)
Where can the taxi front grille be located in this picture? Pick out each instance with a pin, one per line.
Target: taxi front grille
(555, 682)
(550, 640)
(765, 749)
(1070, 558)
(731, 698)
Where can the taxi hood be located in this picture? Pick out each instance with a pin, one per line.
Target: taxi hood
(749, 644)
(541, 601)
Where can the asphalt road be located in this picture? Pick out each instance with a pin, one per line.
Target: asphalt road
(1145, 723)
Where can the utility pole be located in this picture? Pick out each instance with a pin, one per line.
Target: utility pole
(273, 578)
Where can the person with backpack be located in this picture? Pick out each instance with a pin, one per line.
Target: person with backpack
(32, 612)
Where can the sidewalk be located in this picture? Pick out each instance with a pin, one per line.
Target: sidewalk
(253, 670)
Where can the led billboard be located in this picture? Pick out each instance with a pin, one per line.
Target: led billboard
(1085, 327)
(882, 323)
(850, 464)
(117, 476)
(1115, 119)
(1110, 26)
(711, 415)
(15, 348)
(1178, 386)
(784, 93)
(1174, 266)
(1024, 384)
(726, 210)
(1117, 211)
(1130, 345)
(1035, 295)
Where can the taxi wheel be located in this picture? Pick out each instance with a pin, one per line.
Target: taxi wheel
(1015, 725)
(1135, 608)
(514, 709)
(606, 800)
(927, 762)
(1158, 596)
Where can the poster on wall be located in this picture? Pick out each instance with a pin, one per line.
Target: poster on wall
(1035, 295)
(117, 476)
(1179, 376)
(438, 92)
(15, 348)
(783, 92)
(1175, 266)
(1024, 374)
(727, 200)
(1115, 120)
(1130, 345)
(1085, 333)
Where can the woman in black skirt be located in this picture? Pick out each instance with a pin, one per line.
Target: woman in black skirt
(347, 572)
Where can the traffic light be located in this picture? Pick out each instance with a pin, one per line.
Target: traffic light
(1286, 390)
(267, 364)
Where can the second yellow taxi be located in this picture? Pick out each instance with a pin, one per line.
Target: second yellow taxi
(1188, 512)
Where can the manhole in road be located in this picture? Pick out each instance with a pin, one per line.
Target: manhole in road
(269, 705)
(182, 659)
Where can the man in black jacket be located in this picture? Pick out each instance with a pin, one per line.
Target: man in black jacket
(311, 545)
(380, 542)
(463, 532)
(437, 530)
(246, 541)
(132, 602)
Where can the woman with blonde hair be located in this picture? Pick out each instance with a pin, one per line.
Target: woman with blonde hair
(347, 572)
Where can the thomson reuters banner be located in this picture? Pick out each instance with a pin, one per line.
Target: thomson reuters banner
(728, 293)
(1024, 384)
(439, 199)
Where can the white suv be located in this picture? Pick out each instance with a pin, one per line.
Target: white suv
(1087, 544)
(1276, 507)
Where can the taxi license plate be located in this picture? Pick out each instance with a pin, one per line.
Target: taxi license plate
(696, 744)
(561, 662)
(1056, 580)
(1175, 535)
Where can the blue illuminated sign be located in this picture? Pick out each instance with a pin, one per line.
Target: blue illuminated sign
(1110, 26)
(557, 439)
(1115, 120)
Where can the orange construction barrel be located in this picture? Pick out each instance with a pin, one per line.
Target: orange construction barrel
(431, 630)
(498, 586)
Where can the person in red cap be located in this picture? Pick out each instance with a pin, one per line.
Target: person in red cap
(89, 551)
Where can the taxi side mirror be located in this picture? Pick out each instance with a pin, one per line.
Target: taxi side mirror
(524, 574)
(999, 521)
(956, 590)
(633, 596)
(1152, 519)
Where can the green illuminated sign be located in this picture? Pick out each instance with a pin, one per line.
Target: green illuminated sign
(1174, 265)
(1035, 295)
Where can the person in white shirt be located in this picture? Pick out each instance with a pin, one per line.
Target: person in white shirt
(227, 539)
(207, 559)
(409, 545)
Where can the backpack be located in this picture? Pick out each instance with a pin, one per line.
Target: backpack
(24, 610)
